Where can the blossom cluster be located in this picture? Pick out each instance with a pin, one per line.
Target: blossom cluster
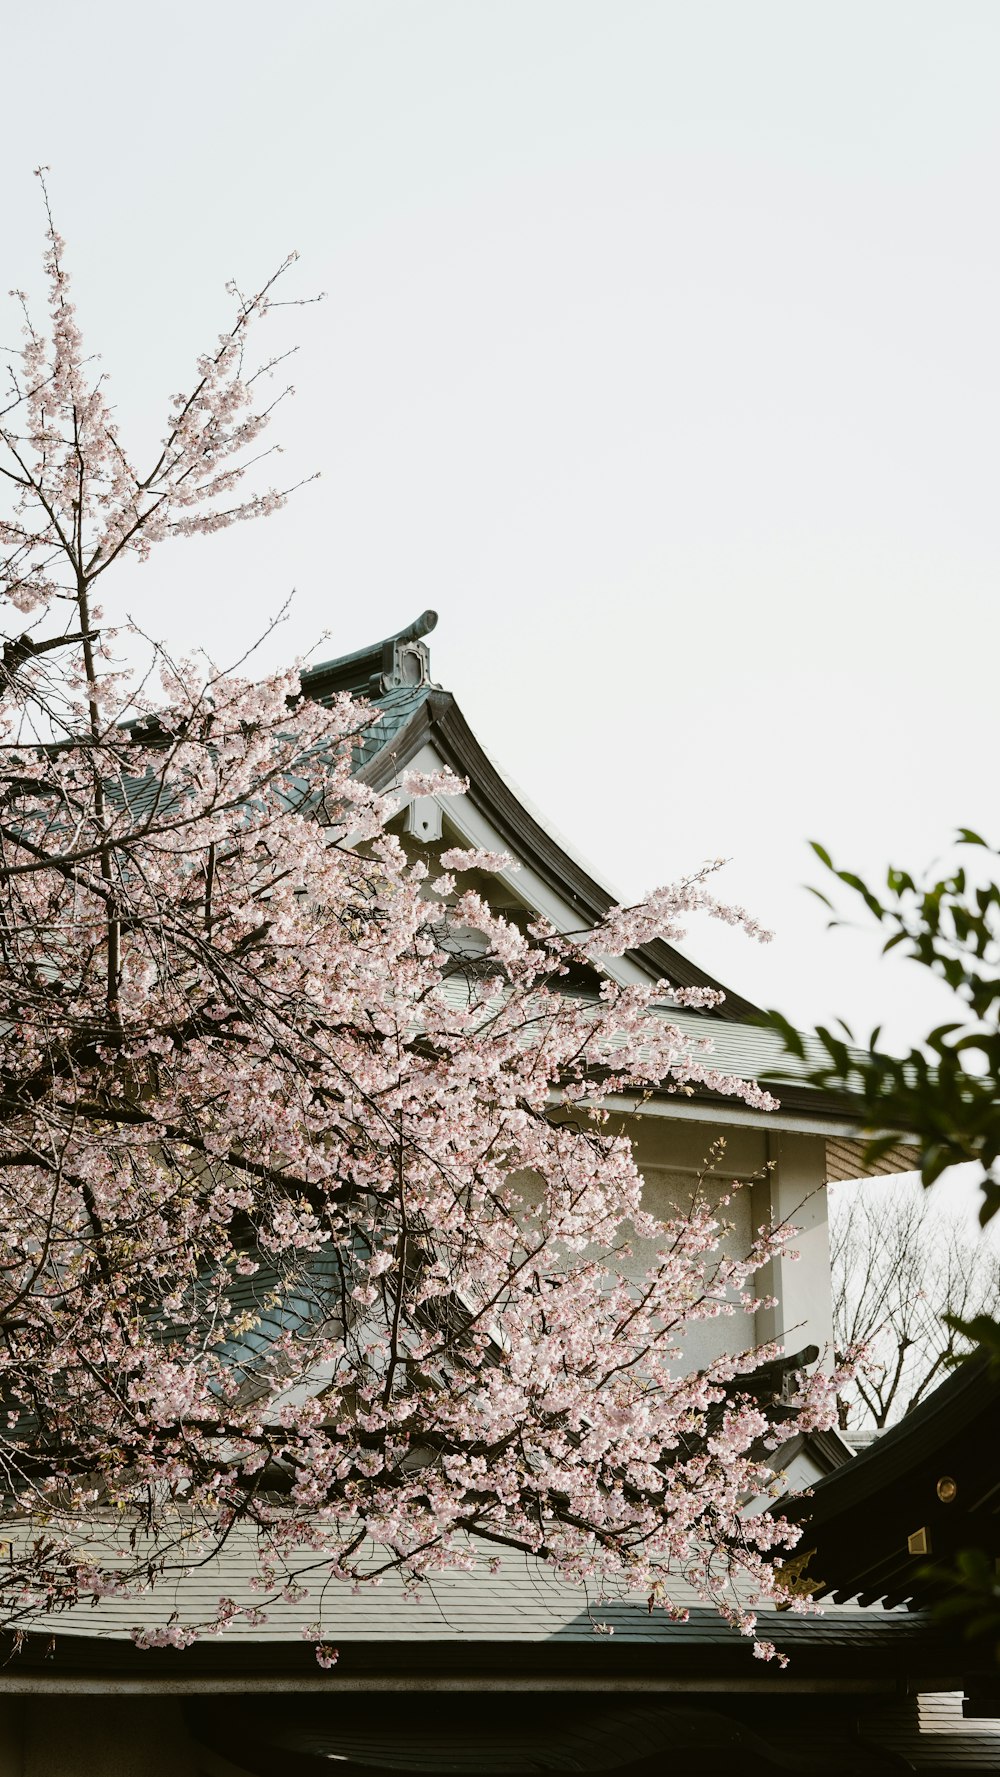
(297, 1235)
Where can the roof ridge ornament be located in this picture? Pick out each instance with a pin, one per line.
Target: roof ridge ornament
(406, 659)
(400, 661)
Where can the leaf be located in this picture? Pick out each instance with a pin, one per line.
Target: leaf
(991, 1201)
(823, 899)
(792, 1038)
(981, 1330)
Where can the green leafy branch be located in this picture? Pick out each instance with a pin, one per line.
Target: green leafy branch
(944, 1094)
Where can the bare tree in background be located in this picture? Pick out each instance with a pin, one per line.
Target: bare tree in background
(899, 1265)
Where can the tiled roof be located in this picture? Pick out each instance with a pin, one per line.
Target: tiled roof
(394, 711)
(523, 1602)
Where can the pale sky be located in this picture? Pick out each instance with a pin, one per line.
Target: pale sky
(660, 356)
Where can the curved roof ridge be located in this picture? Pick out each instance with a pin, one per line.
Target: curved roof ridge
(538, 814)
(384, 671)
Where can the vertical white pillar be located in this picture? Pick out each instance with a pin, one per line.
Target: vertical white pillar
(796, 1193)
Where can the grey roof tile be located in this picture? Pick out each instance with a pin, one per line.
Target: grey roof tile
(524, 1602)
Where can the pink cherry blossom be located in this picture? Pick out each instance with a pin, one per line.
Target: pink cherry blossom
(298, 1241)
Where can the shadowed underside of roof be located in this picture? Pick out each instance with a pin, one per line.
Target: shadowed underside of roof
(846, 1160)
(634, 1737)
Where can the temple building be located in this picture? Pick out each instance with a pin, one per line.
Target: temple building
(503, 1673)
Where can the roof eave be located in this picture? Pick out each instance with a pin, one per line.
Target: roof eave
(440, 720)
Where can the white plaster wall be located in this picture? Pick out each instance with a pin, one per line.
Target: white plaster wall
(769, 1177)
(668, 1194)
(788, 1173)
(671, 1155)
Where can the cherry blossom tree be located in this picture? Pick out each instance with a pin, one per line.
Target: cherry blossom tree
(313, 1228)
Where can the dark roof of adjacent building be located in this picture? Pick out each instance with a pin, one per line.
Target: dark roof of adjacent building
(925, 1489)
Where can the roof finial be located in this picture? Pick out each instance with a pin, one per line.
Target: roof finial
(406, 659)
(400, 660)
(421, 626)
